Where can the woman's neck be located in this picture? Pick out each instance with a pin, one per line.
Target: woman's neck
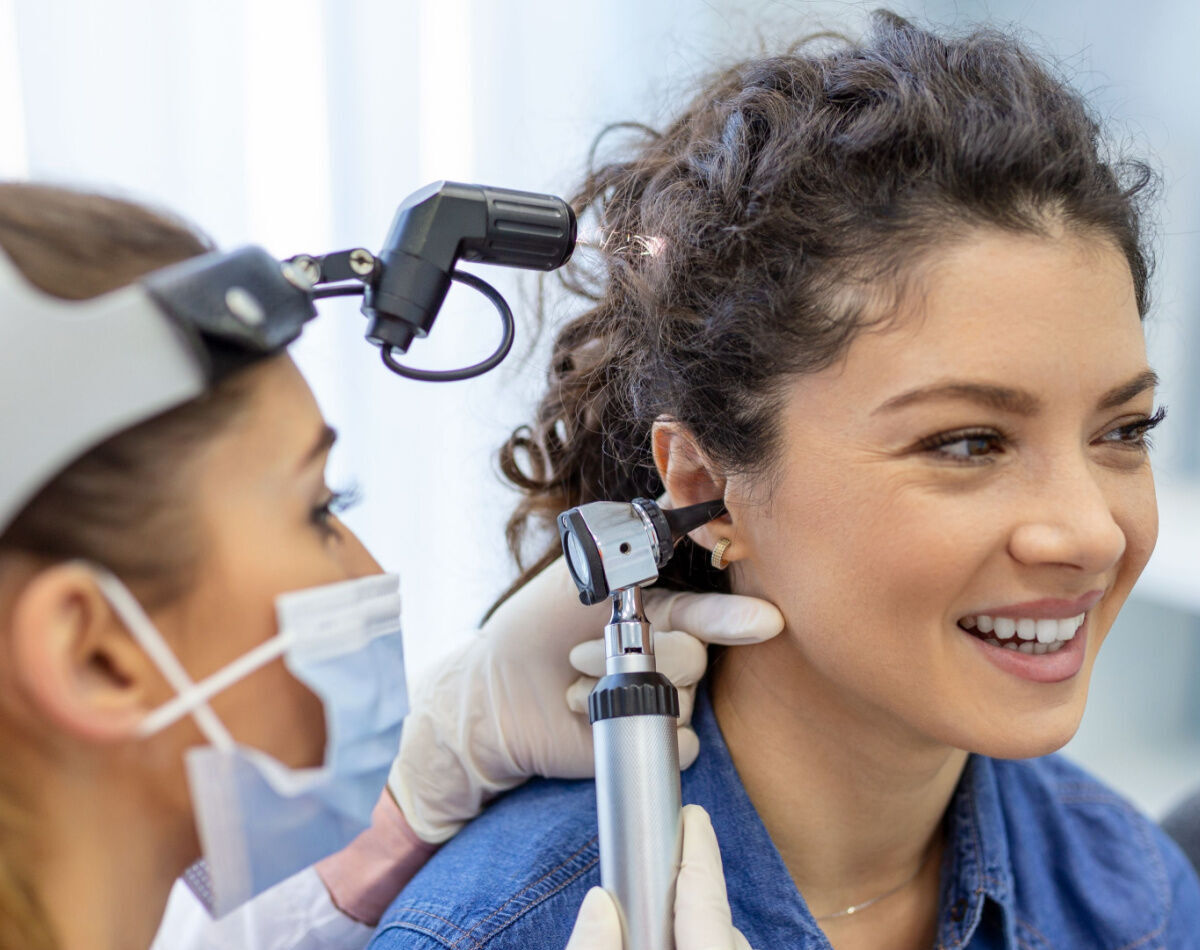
(853, 800)
(109, 855)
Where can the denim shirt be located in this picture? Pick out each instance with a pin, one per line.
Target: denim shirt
(1039, 856)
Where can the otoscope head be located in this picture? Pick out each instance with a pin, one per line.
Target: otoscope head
(611, 545)
(446, 222)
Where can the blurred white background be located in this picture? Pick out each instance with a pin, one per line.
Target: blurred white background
(300, 125)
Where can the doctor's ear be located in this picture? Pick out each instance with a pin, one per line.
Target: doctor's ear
(691, 477)
(73, 659)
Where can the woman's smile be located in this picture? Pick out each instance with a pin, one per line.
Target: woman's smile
(1042, 640)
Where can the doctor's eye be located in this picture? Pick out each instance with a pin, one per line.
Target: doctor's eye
(334, 504)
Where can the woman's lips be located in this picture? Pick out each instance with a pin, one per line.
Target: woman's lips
(1055, 667)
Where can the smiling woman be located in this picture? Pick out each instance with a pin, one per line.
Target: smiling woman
(953, 496)
(894, 319)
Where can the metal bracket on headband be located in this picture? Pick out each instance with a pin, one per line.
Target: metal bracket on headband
(236, 307)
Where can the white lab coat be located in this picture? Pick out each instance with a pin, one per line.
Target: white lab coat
(296, 914)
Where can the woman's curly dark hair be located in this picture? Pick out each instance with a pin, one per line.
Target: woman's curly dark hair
(783, 211)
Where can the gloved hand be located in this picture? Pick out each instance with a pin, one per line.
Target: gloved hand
(499, 709)
(702, 917)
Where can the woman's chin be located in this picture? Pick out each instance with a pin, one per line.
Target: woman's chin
(1022, 706)
(1030, 736)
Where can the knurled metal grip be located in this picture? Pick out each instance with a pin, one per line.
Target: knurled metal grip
(633, 694)
(639, 823)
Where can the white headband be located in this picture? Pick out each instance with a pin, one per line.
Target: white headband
(74, 373)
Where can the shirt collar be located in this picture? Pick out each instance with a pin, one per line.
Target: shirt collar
(976, 872)
(977, 885)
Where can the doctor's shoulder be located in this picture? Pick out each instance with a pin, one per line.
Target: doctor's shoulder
(514, 877)
(1085, 861)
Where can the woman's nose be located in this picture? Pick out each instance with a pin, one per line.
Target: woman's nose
(1068, 520)
(358, 561)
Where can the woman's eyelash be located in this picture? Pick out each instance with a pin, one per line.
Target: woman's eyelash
(337, 502)
(1137, 433)
(980, 445)
(989, 440)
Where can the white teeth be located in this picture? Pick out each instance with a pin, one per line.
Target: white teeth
(1047, 630)
(1037, 649)
(1040, 636)
(1068, 628)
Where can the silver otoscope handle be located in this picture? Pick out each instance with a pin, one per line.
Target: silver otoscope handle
(634, 710)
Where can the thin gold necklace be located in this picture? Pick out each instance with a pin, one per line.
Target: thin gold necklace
(855, 908)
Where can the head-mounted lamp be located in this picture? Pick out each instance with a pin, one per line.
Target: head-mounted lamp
(81, 371)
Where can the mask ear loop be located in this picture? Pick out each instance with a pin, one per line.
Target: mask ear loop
(143, 630)
(195, 702)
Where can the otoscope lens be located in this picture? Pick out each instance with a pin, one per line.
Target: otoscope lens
(579, 561)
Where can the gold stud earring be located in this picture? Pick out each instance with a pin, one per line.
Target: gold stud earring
(718, 554)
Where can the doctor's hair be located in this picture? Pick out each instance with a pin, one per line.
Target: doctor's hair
(123, 504)
(791, 205)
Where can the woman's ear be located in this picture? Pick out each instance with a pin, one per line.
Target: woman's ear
(75, 662)
(690, 478)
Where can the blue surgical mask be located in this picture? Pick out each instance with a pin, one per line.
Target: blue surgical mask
(259, 820)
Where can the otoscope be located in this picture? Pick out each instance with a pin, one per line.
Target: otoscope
(614, 549)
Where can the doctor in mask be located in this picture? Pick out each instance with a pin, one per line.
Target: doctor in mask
(201, 674)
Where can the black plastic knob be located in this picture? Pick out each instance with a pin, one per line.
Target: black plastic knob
(633, 694)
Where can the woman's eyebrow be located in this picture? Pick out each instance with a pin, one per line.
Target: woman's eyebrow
(1016, 401)
(1002, 398)
(323, 444)
(1118, 395)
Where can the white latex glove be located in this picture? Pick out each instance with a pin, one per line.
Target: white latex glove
(499, 709)
(702, 917)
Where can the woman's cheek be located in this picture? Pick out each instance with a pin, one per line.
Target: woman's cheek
(1142, 530)
(1135, 510)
